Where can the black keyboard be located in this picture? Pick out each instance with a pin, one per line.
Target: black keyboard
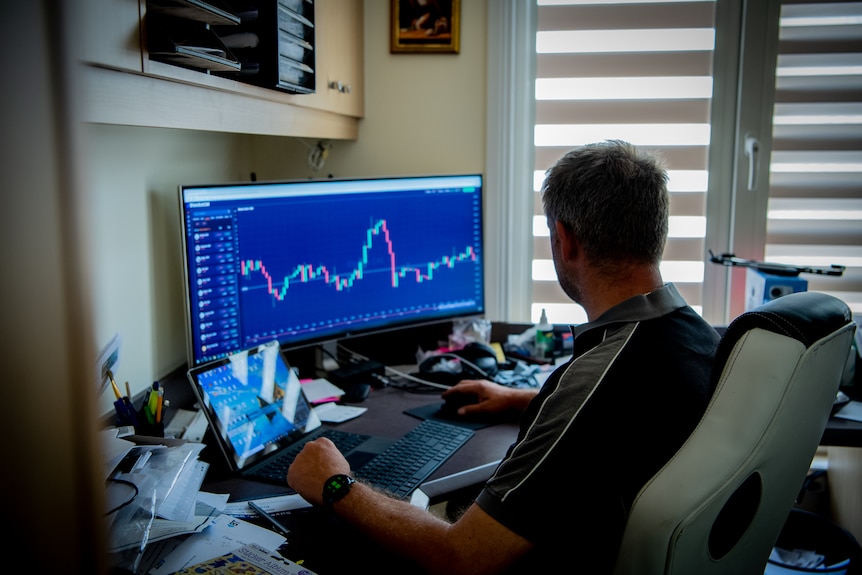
(275, 468)
(406, 463)
(400, 469)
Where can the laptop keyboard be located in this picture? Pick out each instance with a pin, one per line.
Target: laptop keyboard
(400, 469)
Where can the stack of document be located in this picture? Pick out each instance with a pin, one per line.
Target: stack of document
(226, 534)
(160, 522)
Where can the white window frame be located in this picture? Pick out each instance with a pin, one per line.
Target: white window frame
(736, 222)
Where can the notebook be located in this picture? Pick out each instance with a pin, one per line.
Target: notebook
(256, 409)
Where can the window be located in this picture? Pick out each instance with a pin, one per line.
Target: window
(814, 215)
(636, 71)
(645, 71)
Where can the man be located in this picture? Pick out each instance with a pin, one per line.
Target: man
(600, 426)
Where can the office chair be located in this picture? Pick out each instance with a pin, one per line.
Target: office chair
(719, 504)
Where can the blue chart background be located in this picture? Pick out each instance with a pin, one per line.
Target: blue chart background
(331, 231)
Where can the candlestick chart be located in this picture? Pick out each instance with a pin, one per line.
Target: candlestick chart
(303, 268)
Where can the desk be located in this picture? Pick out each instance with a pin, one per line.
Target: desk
(843, 440)
(842, 432)
(385, 417)
(320, 539)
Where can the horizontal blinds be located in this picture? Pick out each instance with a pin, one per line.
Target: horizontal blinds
(637, 71)
(814, 214)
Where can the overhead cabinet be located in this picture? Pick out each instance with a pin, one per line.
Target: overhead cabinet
(274, 67)
(275, 43)
(182, 32)
(268, 43)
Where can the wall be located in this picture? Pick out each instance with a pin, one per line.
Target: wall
(425, 113)
(131, 196)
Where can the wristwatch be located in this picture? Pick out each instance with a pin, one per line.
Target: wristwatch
(336, 487)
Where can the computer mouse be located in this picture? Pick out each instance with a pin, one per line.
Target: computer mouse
(356, 392)
(482, 356)
(454, 401)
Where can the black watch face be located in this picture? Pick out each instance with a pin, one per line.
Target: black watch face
(336, 487)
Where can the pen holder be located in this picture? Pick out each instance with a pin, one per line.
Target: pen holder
(126, 414)
(149, 422)
(144, 427)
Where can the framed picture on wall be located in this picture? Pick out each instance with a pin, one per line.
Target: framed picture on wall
(426, 26)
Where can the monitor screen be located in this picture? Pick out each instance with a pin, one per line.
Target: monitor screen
(308, 261)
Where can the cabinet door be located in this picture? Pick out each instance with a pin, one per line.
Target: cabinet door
(110, 33)
(339, 55)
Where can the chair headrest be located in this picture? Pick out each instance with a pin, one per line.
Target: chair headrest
(803, 316)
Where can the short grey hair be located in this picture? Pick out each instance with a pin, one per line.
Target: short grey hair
(614, 198)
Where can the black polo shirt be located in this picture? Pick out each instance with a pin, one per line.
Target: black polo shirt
(600, 427)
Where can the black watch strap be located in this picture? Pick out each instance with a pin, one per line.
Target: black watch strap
(336, 487)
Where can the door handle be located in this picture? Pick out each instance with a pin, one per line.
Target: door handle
(752, 151)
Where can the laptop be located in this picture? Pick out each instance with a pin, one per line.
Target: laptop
(257, 410)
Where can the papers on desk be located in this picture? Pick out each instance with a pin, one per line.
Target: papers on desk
(322, 394)
(114, 449)
(239, 561)
(152, 482)
(159, 522)
(333, 413)
(223, 534)
(321, 391)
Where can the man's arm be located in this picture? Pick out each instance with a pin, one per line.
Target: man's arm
(476, 543)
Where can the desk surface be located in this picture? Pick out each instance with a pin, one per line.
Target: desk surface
(324, 543)
(842, 433)
(385, 417)
(315, 531)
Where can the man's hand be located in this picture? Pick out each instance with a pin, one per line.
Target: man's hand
(489, 397)
(318, 461)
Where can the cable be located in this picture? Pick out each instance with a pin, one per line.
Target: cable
(472, 365)
(130, 500)
(424, 386)
(352, 353)
(330, 354)
(317, 154)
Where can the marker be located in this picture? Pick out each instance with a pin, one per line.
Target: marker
(159, 405)
(275, 522)
(153, 401)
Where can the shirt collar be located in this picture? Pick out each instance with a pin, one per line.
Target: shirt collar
(642, 307)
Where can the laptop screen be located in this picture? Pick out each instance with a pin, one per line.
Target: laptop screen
(254, 403)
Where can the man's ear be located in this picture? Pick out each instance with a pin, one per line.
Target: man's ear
(569, 247)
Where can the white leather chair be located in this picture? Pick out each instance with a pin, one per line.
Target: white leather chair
(721, 501)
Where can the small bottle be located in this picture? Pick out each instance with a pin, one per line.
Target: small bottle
(544, 337)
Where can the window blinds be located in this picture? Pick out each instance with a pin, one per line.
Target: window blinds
(814, 215)
(637, 71)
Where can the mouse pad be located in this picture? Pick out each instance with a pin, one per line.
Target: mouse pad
(433, 411)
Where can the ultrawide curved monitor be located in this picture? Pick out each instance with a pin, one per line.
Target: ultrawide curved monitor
(315, 260)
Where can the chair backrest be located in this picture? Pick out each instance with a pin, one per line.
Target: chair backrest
(721, 501)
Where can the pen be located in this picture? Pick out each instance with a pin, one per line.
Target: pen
(275, 522)
(114, 385)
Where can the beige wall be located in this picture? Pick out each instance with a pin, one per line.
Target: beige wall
(425, 113)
